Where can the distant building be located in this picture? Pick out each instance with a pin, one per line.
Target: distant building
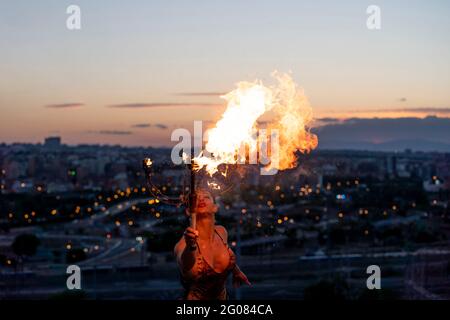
(52, 142)
(433, 185)
(391, 166)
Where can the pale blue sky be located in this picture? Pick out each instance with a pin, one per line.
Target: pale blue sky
(146, 51)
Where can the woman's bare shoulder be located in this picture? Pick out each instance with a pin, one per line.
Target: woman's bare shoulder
(222, 231)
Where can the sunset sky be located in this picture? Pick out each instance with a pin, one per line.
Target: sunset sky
(138, 69)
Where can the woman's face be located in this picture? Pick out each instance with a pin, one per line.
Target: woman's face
(205, 202)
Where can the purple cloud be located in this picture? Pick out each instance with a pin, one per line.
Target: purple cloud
(161, 126)
(424, 110)
(112, 132)
(142, 125)
(162, 105)
(65, 105)
(200, 94)
(149, 125)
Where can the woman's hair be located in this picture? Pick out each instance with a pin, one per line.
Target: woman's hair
(202, 189)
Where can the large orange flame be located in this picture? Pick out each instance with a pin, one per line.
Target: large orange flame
(290, 114)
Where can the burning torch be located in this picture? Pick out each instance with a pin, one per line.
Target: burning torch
(187, 200)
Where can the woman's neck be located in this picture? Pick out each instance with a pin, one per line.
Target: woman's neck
(205, 227)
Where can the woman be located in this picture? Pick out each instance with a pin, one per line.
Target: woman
(203, 255)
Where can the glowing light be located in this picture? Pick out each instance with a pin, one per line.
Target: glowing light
(291, 113)
(213, 185)
(148, 162)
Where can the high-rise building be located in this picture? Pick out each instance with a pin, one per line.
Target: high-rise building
(52, 142)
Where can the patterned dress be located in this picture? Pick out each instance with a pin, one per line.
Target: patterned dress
(208, 284)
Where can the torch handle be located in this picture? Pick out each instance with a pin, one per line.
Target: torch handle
(194, 226)
(192, 200)
(193, 220)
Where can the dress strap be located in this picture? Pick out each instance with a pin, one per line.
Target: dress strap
(226, 244)
(230, 251)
